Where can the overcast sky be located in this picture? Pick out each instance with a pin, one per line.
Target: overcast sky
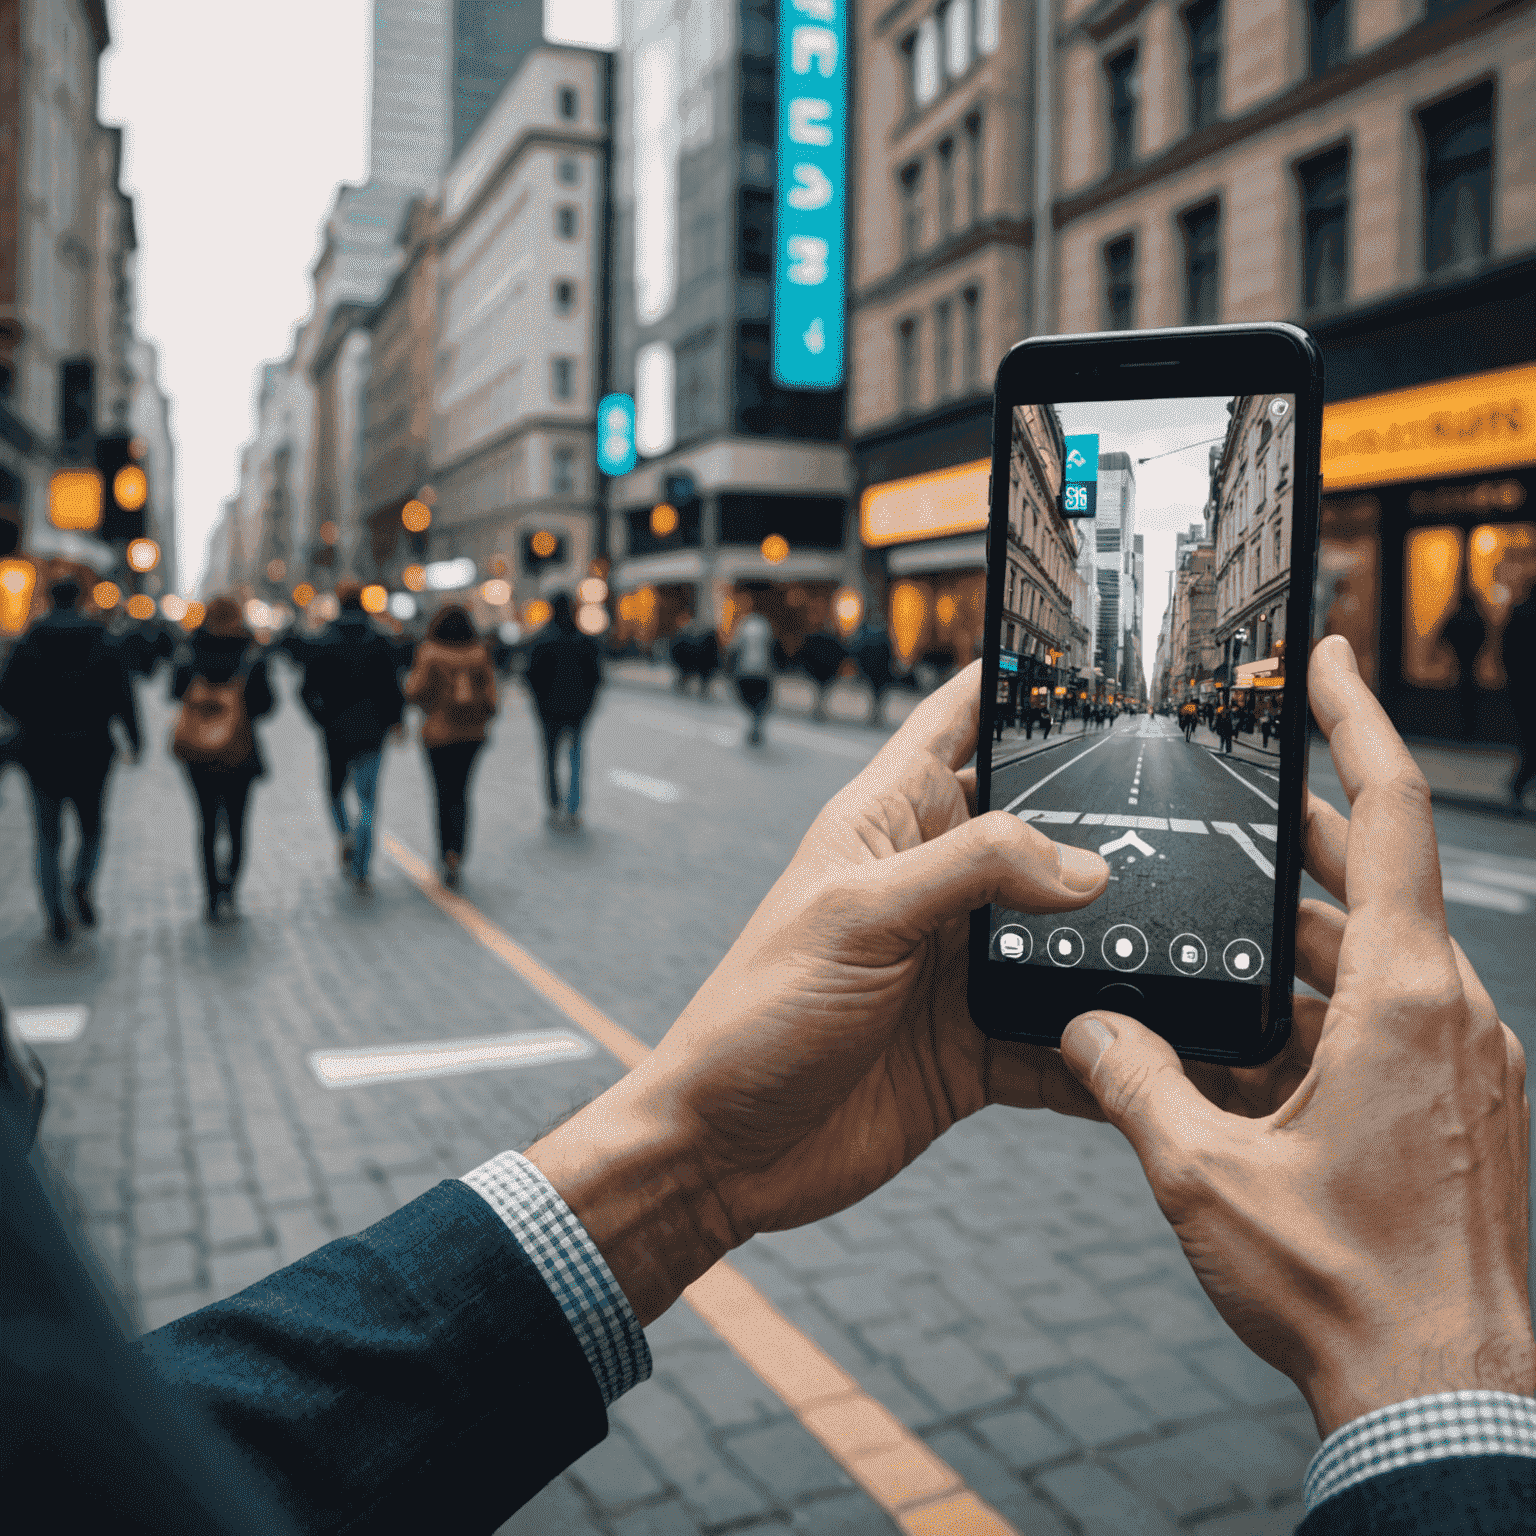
(238, 123)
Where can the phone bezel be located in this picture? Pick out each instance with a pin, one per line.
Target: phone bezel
(1199, 1017)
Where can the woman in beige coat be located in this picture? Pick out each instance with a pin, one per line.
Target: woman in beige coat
(453, 682)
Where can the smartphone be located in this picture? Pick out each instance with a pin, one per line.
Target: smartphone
(1133, 471)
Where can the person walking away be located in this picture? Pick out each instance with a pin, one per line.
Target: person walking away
(565, 670)
(822, 656)
(63, 685)
(351, 688)
(1188, 715)
(1464, 632)
(1047, 720)
(1224, 725)
(871, 651)
(751, 654)
(1520, 667)
(220, 677)
(454, 683)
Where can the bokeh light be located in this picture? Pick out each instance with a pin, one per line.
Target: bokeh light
(105, 595)
(847, 609)
(496, 592)
(194, 615)
(303, 594)
(663, 519)
(141, 607)
(591, 618)
(130, 487)
(543, 543)
(375, 598)
(775, 548)
(417, 516)
(536, 613)
(143, 555)
(414, 578)
(593, 590)
(173, 607)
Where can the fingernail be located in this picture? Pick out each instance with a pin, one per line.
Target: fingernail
(1097, 1037)
(1081, 868)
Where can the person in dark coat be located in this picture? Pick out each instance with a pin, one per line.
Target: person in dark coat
(351, 689)
(565, 670)
(1520, 668)
(64, 685)
(871, 652)
(218, 649)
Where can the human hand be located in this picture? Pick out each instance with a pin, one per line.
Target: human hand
(1369, 1236)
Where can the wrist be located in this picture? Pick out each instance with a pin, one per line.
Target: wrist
(627, 1167)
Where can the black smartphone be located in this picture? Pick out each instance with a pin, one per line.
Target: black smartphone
(1136, 474)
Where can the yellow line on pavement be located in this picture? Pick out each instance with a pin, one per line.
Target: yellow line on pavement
(922, 1493)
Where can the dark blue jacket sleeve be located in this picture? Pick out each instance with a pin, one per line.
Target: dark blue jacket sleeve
(1455, 1496)
(417, 1376)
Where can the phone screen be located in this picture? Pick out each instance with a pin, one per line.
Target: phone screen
(1162, 752)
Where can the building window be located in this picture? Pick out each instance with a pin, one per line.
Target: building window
(922, 51)
(1120, 284)
(971, 302)
(1202, 264)
(1203, 20)
(562, 377)
(1325, 213)
(569, 171)
(1279, 549)
(957, 38)
(568, 100)
(946, 187)
(906, 362)
(943, 348)
(911, 209)
(1458, 179)
(562, 472)
(564, 296)
(1328, 39)
(565, 221)
(755, 251)
(973, 166)
(1120, 72)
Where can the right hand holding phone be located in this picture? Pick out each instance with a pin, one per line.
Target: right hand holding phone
(1367, 1236)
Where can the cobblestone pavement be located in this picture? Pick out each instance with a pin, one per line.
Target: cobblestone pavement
(1015, 1297)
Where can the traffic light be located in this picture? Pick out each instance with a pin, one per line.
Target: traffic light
(125, 487)
(541, 547)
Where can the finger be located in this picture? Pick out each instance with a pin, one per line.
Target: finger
(1139, 1083)
(945, 723)
(966, 778)
(1319, 933)
(992, 858)
(1325, 843)
(1392, 856)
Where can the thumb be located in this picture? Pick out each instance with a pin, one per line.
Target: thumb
(1139, 1083)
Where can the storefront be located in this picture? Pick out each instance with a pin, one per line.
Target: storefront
(1429, 505)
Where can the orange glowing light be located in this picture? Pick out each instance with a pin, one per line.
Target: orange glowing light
(105, 594)
(143, 555)
(130, 487)
(496, 591)
(414, 577)
(944, 609)
(303, 595)
(543, 543)
(909, 612)
(847, 609)
(141, 607)
(536, 613)
(775, 548)
(663, 519)
(194, 615)
(417, 516)
(374, 598)
(74, 500)
(18, 578)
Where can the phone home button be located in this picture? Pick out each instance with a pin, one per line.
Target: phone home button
(1122, 997)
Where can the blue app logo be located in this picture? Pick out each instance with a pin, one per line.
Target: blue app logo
(616, 434)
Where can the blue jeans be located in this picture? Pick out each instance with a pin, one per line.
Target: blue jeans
(48, 810)
(363, 770)
(553, 731)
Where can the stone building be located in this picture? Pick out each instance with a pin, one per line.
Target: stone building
(1114, 531)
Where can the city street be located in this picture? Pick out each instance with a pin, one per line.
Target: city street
(1015, 1298)
(1189, 838)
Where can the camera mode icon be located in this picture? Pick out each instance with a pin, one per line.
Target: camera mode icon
(1125, 947)
(1243, 959)
(1013, 942)
(1065, 946)
(1188, 954)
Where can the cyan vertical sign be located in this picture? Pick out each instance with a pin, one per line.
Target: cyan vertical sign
(616, 434)
(809, 257)
(1080, 485)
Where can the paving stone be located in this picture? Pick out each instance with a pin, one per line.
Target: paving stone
(232, 1219)
(231, 1272)
(985, 1474)
(926, 1305)
(217, 1161)
(1172, 1314)
(358, 1203)
(1088, 1407)
(557, 1508)
(157, 1311)
(721, 1387)
(1018, 1348)
(613, 1473)
(171, 1216)
(1252, 1522)
(859, 1297)
(1235, 1368)
(169, 1266)
(1179, 1476)
(407, 1186)
(758, 1265)
(1264, 1464)
(807, 1249)
(678, 1325)
(788, 1460)
(946, 1369)
(1100, 1505)
(1022, 1438)
(669, 1519)
(982, 1297)
(911, 1407)
(847, 1514)
(859, 1226)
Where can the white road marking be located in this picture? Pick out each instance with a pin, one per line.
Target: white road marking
(1470, 893)
(1268, 829)
(1128, 840)
(1495, 881)
(660, 790)
(1243, 841)
(837, 746)
(52, 1026)
(1273, 804)
(678, 725)
(1020, 799)
(732, 735)
(1496, 868)
(360, 1066)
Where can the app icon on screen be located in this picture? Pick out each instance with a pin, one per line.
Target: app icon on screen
(1187, 953)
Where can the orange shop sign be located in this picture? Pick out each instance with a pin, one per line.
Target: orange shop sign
(929, 506)
(1456, 427)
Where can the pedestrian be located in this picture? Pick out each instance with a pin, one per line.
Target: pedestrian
(751, 661)
(453, 682)
(1189, 714)
(1264, 729)
(565, 670)
(63, 685)
(1224, 725)
(351, 688)
(220, 677)
(822, 655)
(871, 652)
(1047, 720)
(1520, 668)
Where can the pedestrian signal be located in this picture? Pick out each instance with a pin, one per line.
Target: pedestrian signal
(127, 488)
(541, 548)
(616, 434)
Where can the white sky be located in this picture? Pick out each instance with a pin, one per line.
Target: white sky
(238, 123)
(1170, 491)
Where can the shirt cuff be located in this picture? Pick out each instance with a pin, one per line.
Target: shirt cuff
(563, 1252)
(1470, 1423)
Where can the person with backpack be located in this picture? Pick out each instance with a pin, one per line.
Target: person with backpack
(453, 682)
(564, 672)
(220, 676)
(351, 689)
(63, 685)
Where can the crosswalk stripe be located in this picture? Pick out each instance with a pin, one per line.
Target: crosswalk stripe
(1243, 841)
(1266, 829)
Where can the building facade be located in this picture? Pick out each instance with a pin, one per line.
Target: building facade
(1118, 643)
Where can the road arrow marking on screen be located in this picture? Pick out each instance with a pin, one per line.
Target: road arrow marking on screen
(1130, 840)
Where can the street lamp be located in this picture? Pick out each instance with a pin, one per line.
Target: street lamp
(1234, 646)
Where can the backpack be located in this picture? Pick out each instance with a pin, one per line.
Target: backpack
(213, 729)
(466, 706)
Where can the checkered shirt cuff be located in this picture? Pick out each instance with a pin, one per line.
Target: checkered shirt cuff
(547, 1230)
(1470, 1423)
